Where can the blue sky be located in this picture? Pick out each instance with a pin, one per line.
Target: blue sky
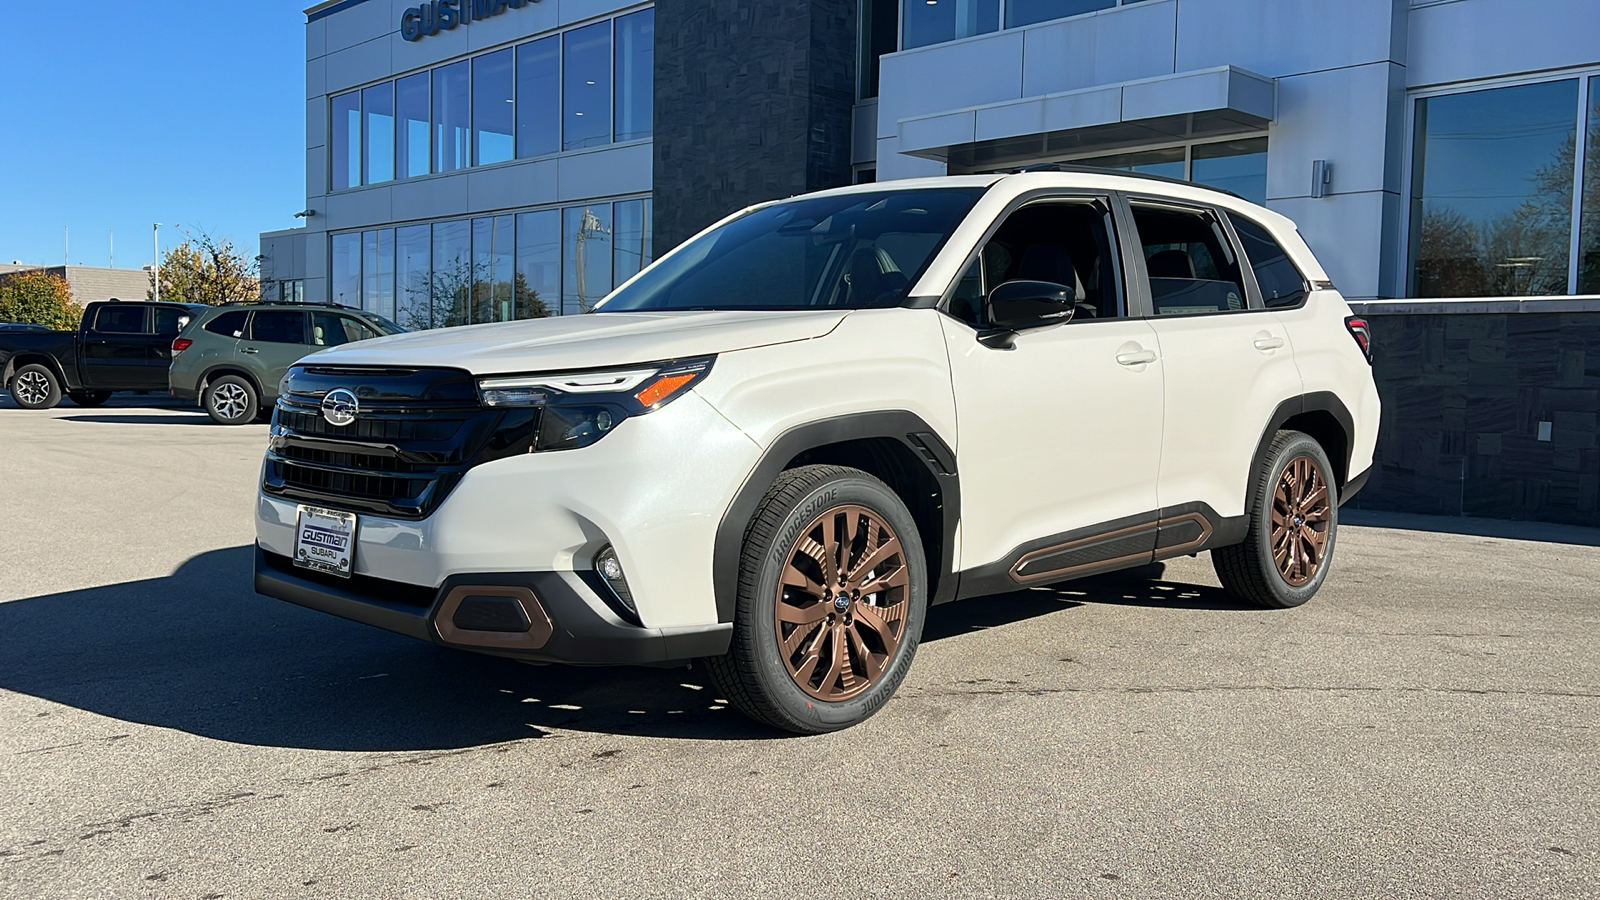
(117, 114)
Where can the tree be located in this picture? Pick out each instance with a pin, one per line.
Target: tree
(207, 269)
(39, 298)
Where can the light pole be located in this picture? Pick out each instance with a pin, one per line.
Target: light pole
(155, 265)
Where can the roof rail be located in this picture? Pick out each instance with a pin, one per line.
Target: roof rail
(1120, 173)
(322, 305)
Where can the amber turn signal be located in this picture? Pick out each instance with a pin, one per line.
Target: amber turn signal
(664, 387)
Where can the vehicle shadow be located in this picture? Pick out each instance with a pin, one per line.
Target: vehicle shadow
(200, 652)
(176, 418)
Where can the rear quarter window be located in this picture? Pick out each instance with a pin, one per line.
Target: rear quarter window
(1282, 285)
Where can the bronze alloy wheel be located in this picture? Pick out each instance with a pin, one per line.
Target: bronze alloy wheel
(842, 601)
(1300, 507)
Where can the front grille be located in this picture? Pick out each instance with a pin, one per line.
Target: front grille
(415, 435)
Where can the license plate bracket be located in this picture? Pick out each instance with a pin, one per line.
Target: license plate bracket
(325, 540)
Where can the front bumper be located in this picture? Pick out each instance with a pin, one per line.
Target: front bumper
(568, 623)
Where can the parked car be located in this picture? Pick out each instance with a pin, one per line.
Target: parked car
(231, 358)
(775, 447)
(119, 346)
(21, 326)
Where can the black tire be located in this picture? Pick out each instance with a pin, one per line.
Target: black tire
(230, 400)
(35, 387)
(1251, 570)
(756, 676)
(89, 399)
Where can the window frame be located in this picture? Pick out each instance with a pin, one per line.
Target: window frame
(1306, 286)
(1140, 273)
(1404, 269)
(1120, 256)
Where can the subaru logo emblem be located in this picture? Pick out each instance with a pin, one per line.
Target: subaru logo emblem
(841, 602)
(340, 407)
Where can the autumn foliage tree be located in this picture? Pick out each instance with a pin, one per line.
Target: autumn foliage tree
(210, 270)
(39, 298)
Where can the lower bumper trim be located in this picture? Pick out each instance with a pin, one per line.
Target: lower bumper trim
(1354, 485)
(581, 632)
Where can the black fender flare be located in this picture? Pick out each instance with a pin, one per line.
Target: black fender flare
(1316, 401)
(228, 368)
(920, 438)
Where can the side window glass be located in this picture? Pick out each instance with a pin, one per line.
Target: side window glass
(1191, 265)
(1281, 283)
(279, 327)
(120, 320)
(327, 330)
(1064, 242)
(356, 330)
(229, 324)
(170, 321)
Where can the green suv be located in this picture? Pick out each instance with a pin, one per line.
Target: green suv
(231, 358)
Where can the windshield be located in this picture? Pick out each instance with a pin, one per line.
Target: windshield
(850, 251)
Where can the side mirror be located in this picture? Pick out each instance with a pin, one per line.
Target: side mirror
(1016, 305)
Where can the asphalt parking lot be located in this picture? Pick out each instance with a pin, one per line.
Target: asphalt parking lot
(1429, 726)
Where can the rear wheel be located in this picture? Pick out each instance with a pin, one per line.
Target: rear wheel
(833, 591)
(1293, 527)
(89, 398)
(35, 387)
(230, 400)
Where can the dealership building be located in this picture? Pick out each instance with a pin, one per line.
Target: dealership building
(483, 160)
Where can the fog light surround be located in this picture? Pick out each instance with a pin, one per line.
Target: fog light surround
(609, 568)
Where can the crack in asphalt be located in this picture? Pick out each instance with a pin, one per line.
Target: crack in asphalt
(178, 813)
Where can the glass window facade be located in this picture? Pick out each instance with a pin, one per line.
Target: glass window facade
(1027, 12)
(377, 124)
(522, 265)
(452, 117)
(585, 256)
(411, 140)
(945, 20)
(344, 141)
(1492, 191)
(539, 97)
(1589, 222)
(494, 115)
(635, 65)
(1237, 166)
(585, 87)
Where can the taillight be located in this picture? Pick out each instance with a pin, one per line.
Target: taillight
(1362, 334)
(180, 344)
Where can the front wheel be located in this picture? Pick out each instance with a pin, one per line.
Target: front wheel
(833, 591)
(35, 387)
(230, 400)
(1293, 527)
(89, 399)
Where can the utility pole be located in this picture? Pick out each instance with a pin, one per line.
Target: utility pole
(155, 267)
(66, 249)
(111, 248)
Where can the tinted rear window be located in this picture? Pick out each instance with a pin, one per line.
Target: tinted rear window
(279, 327)
(170, 321)
(120, 319)
(229, 324)
(1280, 281)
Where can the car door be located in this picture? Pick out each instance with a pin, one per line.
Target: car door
(168, 322)
(114, 350)
(1059, 427)
(1228, 361)
(277, 339)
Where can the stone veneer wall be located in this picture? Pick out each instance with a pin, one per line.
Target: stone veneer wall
(753, 102)
(1464, 391)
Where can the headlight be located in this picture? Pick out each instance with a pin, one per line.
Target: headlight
(579, 408)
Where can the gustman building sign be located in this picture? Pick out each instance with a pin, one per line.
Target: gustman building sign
(435, 16)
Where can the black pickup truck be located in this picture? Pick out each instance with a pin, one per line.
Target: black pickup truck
(119, 346)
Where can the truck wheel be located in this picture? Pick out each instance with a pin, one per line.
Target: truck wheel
(1293, 527)
(89, 398)
(230, 400)
(833, 591)
(35, 387)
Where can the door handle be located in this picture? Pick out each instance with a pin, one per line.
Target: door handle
(1270, 342)
(248, 350)
(1136, 358)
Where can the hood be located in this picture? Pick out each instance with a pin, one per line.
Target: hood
(583, 342)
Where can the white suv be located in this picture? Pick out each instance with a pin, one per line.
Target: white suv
(774, 448)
